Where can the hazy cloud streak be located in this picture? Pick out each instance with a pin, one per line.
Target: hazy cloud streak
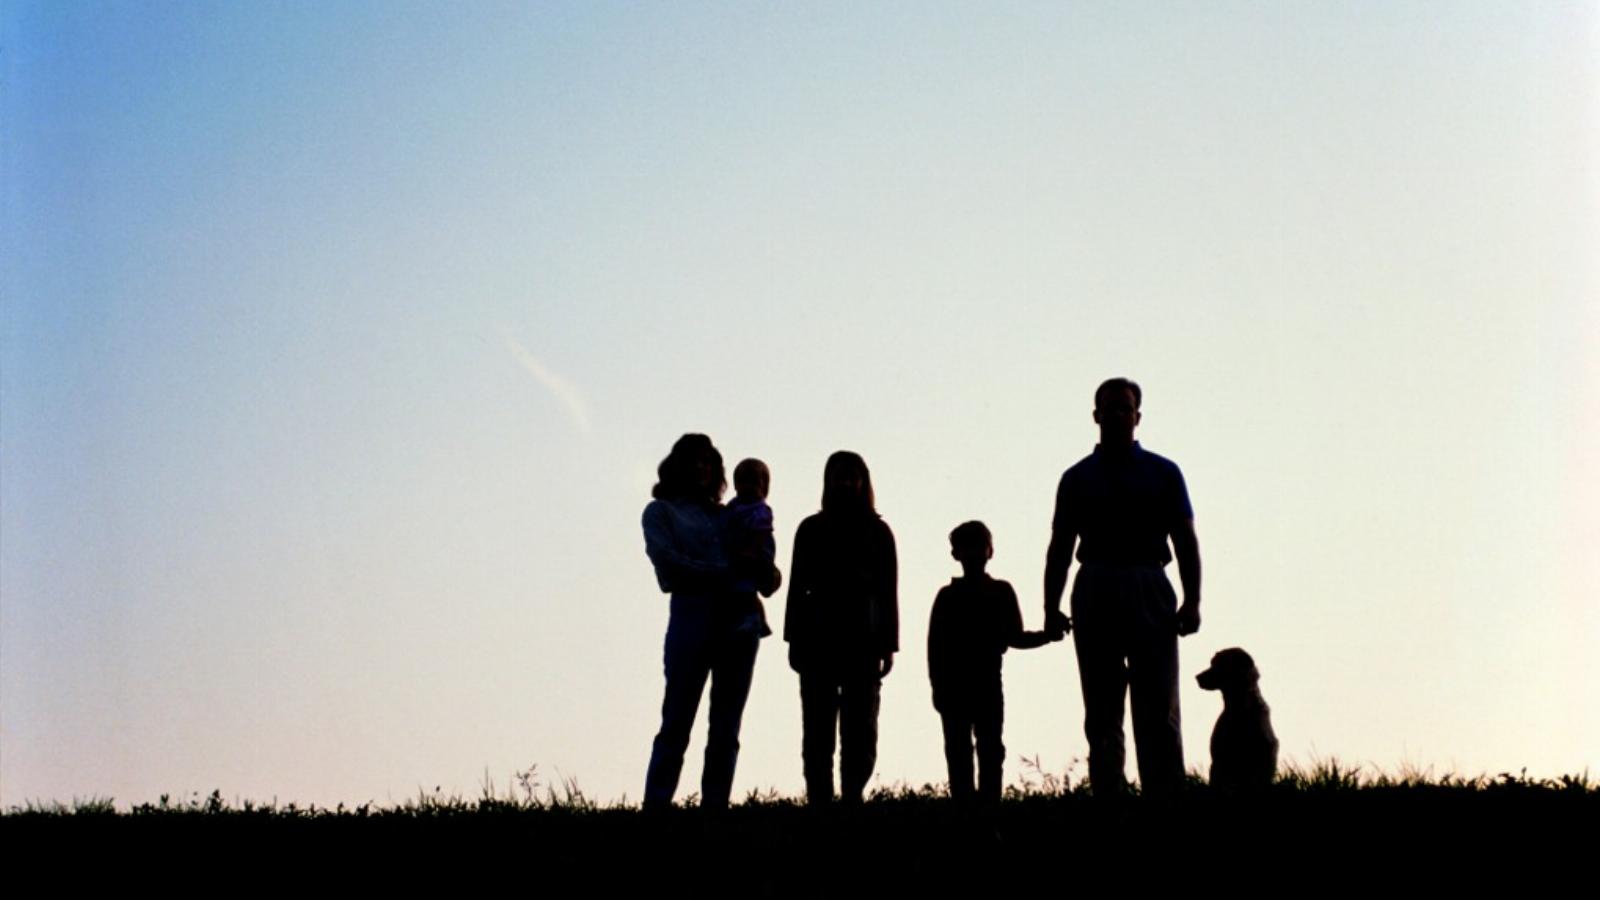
(560, 388)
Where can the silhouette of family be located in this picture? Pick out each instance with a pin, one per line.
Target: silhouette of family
(1118, 507)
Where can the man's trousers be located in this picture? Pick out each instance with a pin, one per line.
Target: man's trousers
(1124, 622)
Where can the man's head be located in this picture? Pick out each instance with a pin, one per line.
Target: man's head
(751, 479)
(971, 544)
(1116, 411)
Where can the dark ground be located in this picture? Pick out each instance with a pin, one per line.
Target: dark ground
(1510, 832)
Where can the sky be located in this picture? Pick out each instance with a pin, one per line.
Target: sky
(339, 344)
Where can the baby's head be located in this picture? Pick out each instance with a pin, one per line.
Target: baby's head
(750, 479)
(971, 544)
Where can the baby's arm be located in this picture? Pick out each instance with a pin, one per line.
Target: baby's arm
(760, 518)
(759, 527)
(770, 578)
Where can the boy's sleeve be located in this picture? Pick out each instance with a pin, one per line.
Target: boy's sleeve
(1015, 636)
(1012, 611)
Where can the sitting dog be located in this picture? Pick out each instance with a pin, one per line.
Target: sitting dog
(1244, 751)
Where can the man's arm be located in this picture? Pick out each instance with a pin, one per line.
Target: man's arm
(1056, 562)
(1186, 547)
(1058, 559)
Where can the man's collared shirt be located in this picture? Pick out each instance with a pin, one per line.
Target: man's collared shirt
(1122, 505)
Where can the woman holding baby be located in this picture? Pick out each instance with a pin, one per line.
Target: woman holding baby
(709, 558)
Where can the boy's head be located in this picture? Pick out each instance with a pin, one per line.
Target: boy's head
(750, 479)
(971, 543)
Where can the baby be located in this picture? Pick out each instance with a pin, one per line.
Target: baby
(751, 546)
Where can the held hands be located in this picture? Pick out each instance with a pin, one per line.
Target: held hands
(1188, 619)
(1056, 624)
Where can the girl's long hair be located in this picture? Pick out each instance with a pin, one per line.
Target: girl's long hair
(838, 499)
(676, 475)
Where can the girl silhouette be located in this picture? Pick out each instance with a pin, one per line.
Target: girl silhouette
(842, 623)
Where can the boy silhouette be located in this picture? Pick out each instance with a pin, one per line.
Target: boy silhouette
(975, 619)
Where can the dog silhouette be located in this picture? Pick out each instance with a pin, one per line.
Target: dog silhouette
(1244, 749)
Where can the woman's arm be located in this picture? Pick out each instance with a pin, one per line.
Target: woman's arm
(796, 608)
(675, 569)
(887, 596)
(799, 583)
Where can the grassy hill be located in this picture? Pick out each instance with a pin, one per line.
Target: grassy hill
(1329, 825)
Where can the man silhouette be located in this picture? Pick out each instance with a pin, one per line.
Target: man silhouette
(1120, 505)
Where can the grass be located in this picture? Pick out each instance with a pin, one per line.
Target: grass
(526, 793)
(1326, 820)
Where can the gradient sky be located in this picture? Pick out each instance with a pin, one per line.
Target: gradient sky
(340, 343)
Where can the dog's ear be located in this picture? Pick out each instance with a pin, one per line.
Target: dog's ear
(1240, 667)
(1248, 673)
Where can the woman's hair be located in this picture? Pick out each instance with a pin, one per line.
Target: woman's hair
(839, 499)
(678, 475)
